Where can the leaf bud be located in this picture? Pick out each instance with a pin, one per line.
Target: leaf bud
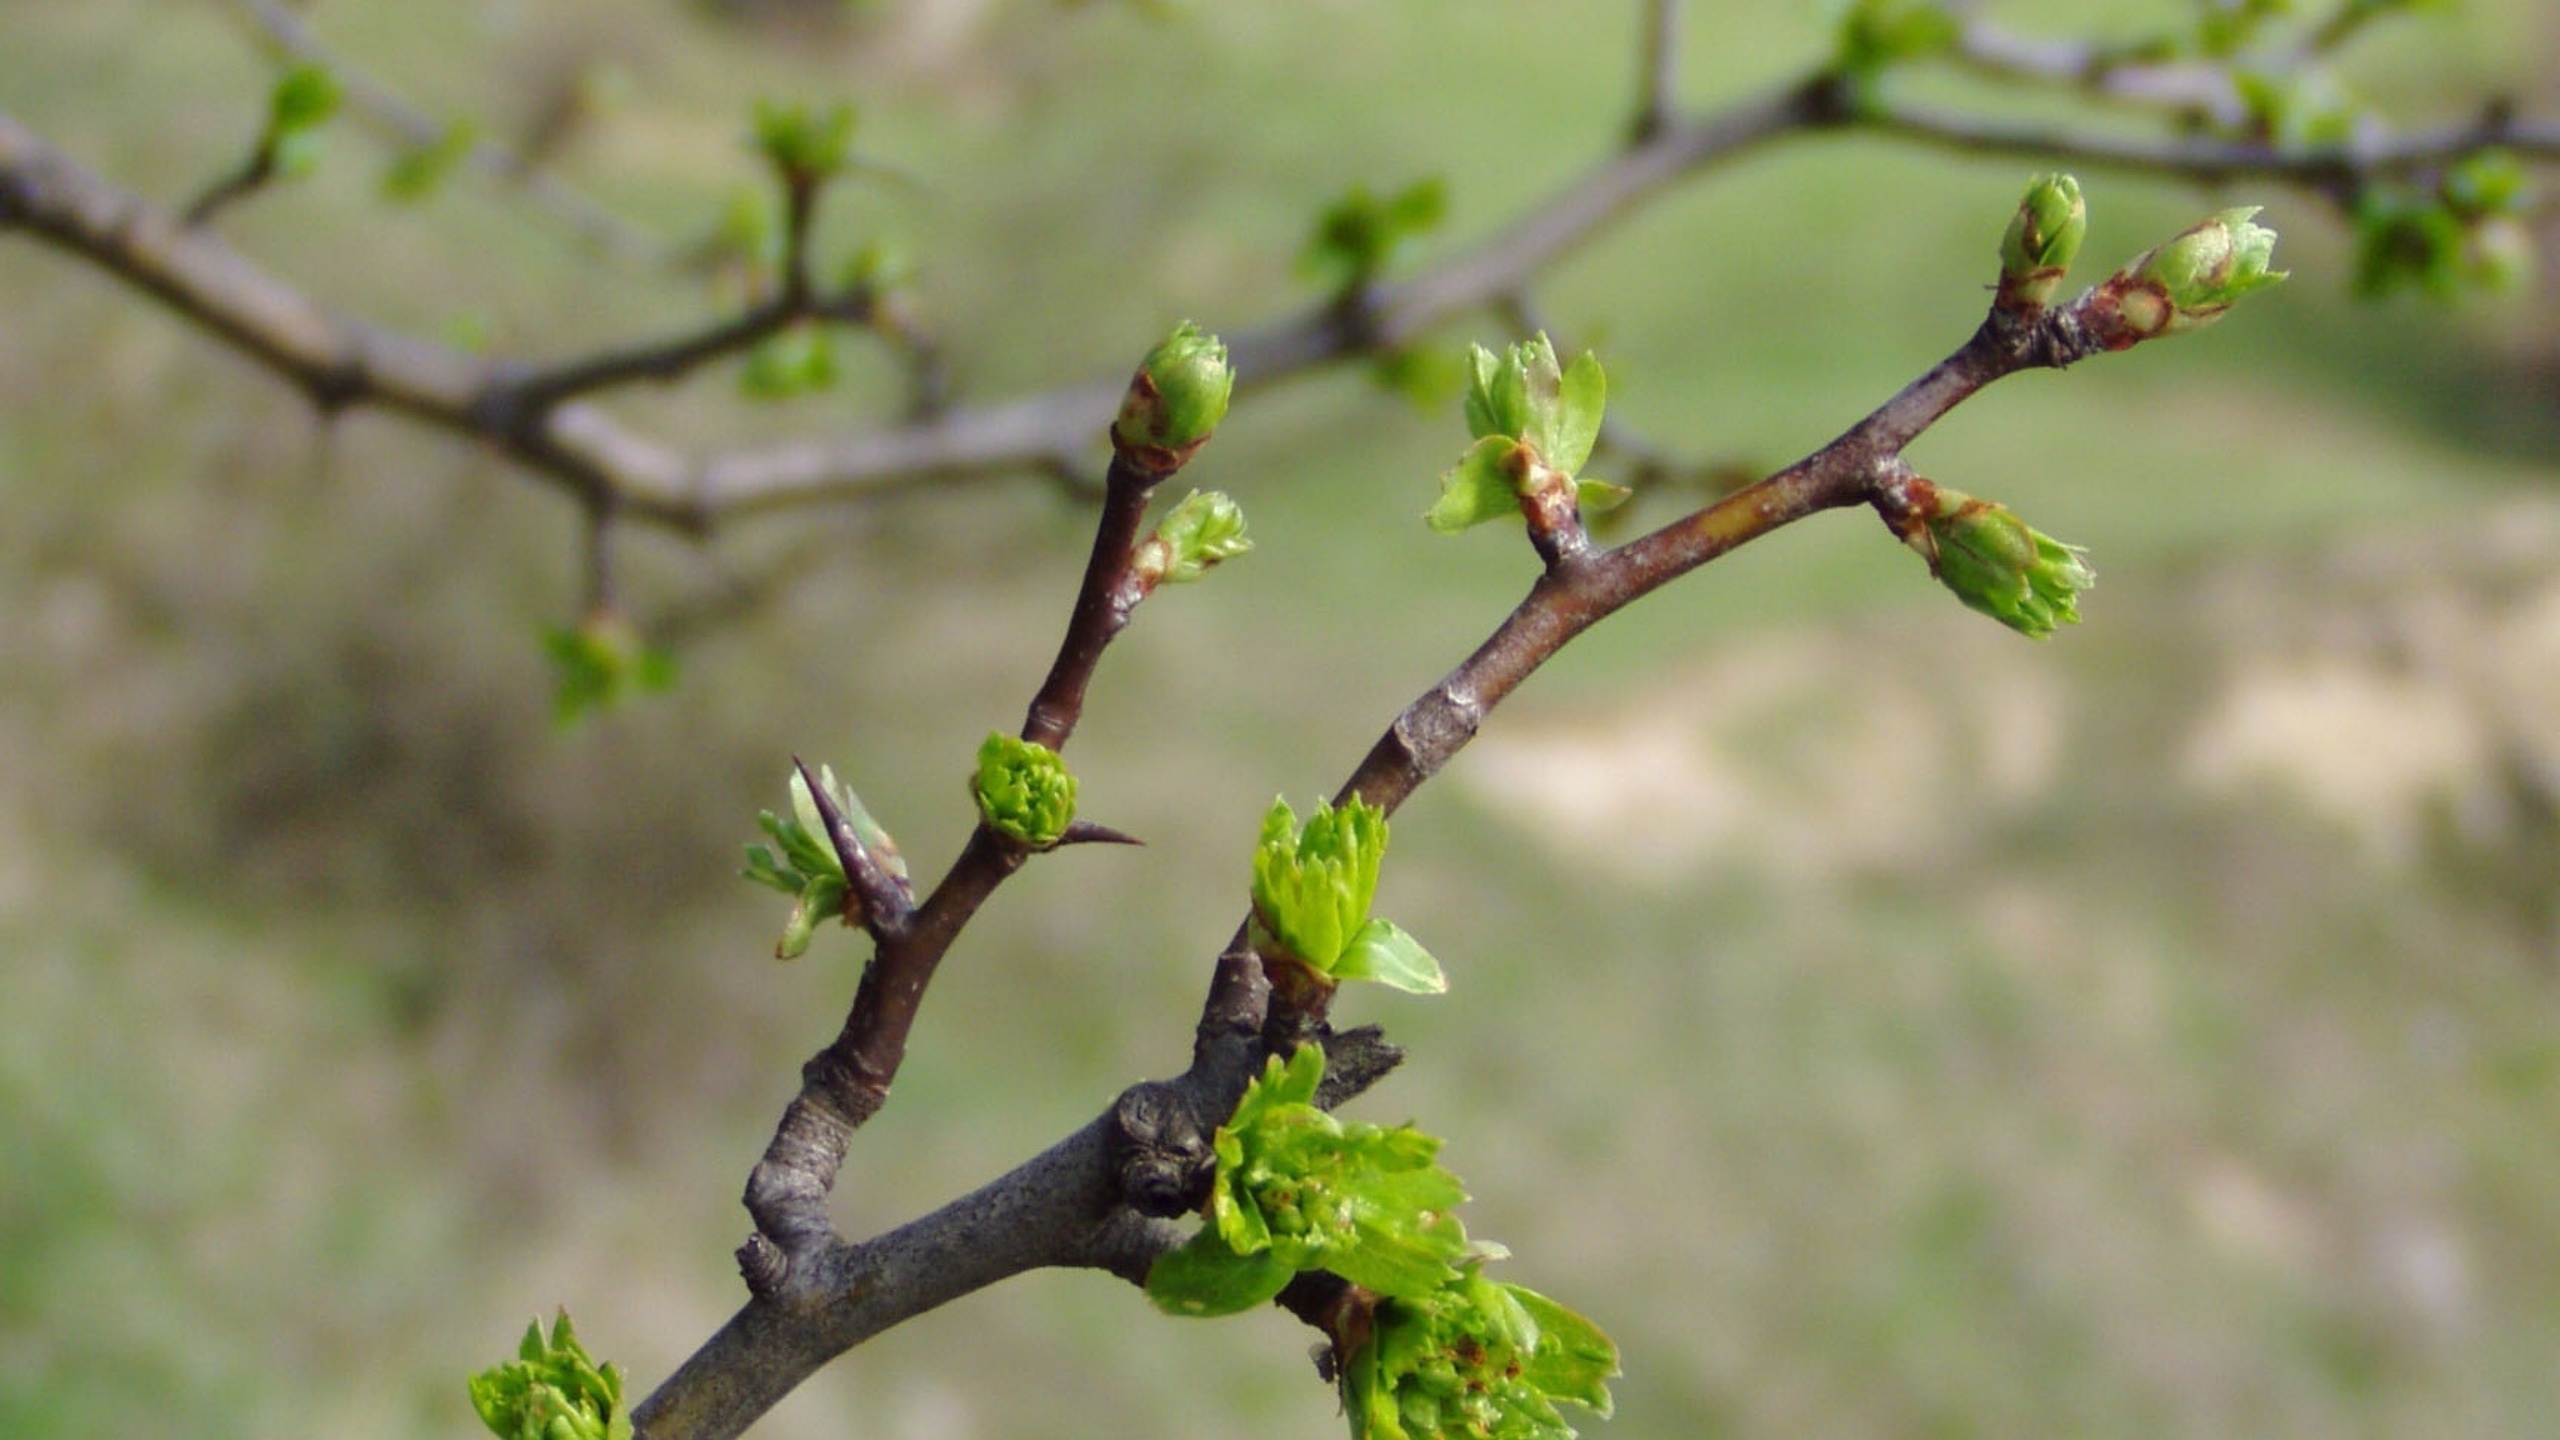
(1024, 791)
(1175, 401)
(1993, 561)
(2189, 280)
(2043, 237)
(1203, 530)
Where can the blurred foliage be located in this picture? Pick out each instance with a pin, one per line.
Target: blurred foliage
(2147, 1034)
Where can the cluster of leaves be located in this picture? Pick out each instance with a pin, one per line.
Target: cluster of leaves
(1534, 424)
(1312, 889)
(1475, 1358)
(1297, 1189)
(808, 869)
(1433, 1347)
(551, 1391)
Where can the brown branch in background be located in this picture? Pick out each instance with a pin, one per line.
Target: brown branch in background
(342, 362)
(1657, 69)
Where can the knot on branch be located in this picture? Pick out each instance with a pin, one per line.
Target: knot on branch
(764, 1266)
(1159, 1149)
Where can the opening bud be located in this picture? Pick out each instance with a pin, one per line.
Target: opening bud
(2192, 278)
(1205, 529)
(1994, 562)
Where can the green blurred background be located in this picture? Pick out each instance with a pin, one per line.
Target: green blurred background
(1883, 1025)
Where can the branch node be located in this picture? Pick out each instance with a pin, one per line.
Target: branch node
(764, 1266)
(1159, 1150)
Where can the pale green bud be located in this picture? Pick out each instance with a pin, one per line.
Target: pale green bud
(2191, 279)
(2043, 237)
(1176, 399)
(1205, 529)
(1995, 562)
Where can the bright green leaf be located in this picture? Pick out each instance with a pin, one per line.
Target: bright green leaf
(1382, 952)
(1582, 396)
(1204, 1277)
(1482, 486)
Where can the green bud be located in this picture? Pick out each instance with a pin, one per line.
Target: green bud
(1024, 791)
(1176, 399)
(1994, 562)
(1878, 33)
(1524, 395)
(1205, 529)
(2191, 279)
(2043, 237)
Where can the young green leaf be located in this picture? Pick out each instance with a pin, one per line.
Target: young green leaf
(1581, 395)
(1382, 952)
(1480, 487)
(1203, 1278)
